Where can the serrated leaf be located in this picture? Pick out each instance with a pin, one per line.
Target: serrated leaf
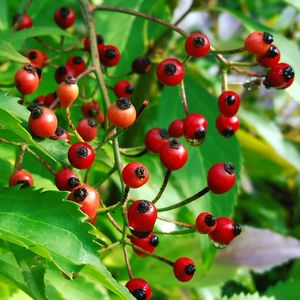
(243, 296)
(287, 290)
(7, 51)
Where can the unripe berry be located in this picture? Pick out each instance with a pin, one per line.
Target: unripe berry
(67, 91)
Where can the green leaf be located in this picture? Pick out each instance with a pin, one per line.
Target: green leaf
(242, 296)
(287, 290)
(7, 51)
(293, 3)
(40, 221)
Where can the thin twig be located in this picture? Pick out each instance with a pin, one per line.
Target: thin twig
(178, 223)
(42, 161)
(111, 246)
(128, 266)
(20, 158)
(71, 124)
(183, 98)
(85, 72)
(163, 186)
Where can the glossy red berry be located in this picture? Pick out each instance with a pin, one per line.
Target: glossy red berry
(135, 174)
(66, 180)
(123, 88)
(170, 71)
(81, 155)
(141, 65)
(21, 177)
(197, 45)
(91, 110)
(67, 91)
(109, 55)
(42, 122)
(221, 177)
(194, 128)
(60, 134)
(122, 113)
(141, 216)
(77, 64)
(87, 43)
(227, 126)
(26, 21)
(173, 155)
(148, 244)
(205, 222)
(269, 59)
(87, 128)
(155, 138)
(49, 100)
(62, 72)
(176, 128)
(184, 269)
(229, 103)
(87, 197)
(281, 76)
(37, 57)
(225, 231)
(64, 17)
(258, 43)
(139, 288)
(27, 80)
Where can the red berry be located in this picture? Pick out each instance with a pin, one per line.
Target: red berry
(42, 122)
(155, 139)
(21, 177)
(64, 17)
(88, 197)
(227, 126)
(66, 180)
(62, 72)
(148, 244)
(229, 103)
(87, 128)
(60, 134)
(26, 21)
(173, 155)
(122, 113)
(100, 118)
(77, 64)
(221, 177)
(197, 45)
(49, 100)
(226, 230)
(67, 91)
(81, 155)
(94, 220)
(170, 71)
(139, 288)
(281, 76)
(141, 65)
(37, 57)
(269, 59)
(135, 174)
(27, 80)
(109, 55)
(141, 217)
(87, 43)
(176, 128)
(205, 222)
(123, 88)
(258, 43)
(91, 110)
(184, 269)
(194, 128)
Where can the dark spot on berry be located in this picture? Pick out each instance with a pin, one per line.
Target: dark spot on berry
(123, 103)
(210, 220)
(272, 52)
(154, 241)
(70, 80)
(227, 132)
(175, 144)
(237, 229)
(143, 206)
(37, 112)
(170, 69)
(190, 269)
(29, 68)
(266, 83)
(200, 134)
(15, 18)
(64, 12)
(140, 234)
(93, 111)
(110, 54)
(82, 152)
(32, 55)
(288, 73)
(268, 38)
(199, 42)
(139, 294)
(61, 71)
(146, 61)
(73, 182)
(164, 133)
(92, 123)
(229, 168)
(230, 100)
(38, 71)
(140, 172)
(77, 60)
(100, 39)
(80, 194)
(33, 105)
(59, 131)
(24, 184)
(129, 89)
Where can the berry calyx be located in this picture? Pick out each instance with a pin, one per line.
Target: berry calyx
(205, 222)
(176, 128)
(42, 122)
(258, 42)
(37, 57)
(170, 71)
(226, 230)
(109, 55)
(184, 269)
(66, 180)
(87, 128)
(60, 134)
(197, 45)
(67, 91)
(27, 80)
(22, 178)
(77, 64)
(194, 128)
(135, 174)
(221, 177)
(269, 59)
(141, 65)
(87, 43)
(62, 72)
(227, 126)
(26, 21)
(173, 155)
(139, 288)
(155, 138)
(81, 155)
(229, 103)
(123, 88)
(91, 110)
(64, 17)
(148, 244)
